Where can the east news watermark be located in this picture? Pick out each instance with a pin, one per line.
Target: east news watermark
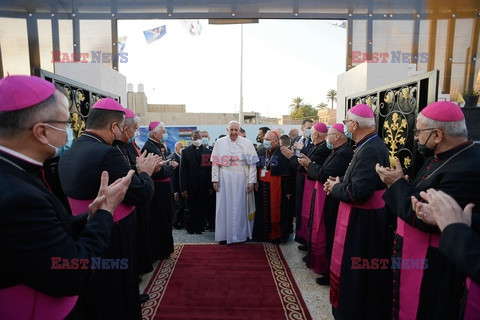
(89, 57)
(94, 263)
(389, 57)
(395, 263)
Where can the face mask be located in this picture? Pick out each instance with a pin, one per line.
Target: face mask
(58, 150)
(267, 144)
(425, 151)
(258, 139)
(165, 137)
(329, 145)
(308, 133)
(197, 143)
(135, 136)
(347, 133)
(205, 141)
(121, 133)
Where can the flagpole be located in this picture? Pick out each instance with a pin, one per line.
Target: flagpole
(240, 114)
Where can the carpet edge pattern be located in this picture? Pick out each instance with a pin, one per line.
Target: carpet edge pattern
(158, 284)
(292, 305)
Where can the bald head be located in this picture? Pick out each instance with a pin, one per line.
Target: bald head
(178, 147)
(272, 138)
(336, 137)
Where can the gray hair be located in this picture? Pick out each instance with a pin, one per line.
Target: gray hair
(452, 129)
(160, 125)
(362, 122)
(131, 122)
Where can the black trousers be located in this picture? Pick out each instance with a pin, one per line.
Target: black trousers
(195, 215)
(179, 212)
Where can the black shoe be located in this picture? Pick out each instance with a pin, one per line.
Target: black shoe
(190, 232)
(223, 242)
(323, 281)
(304, 259)
(303, 247)
(144, 298)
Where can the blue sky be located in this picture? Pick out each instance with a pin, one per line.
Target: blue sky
(282, 59)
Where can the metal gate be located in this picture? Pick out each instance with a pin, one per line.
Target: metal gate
(80, 97)
(396, 107)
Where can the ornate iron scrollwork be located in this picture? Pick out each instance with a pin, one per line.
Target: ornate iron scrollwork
(396, 108)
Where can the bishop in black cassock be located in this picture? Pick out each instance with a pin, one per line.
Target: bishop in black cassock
(112, 293)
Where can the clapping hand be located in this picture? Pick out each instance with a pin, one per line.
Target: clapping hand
(110, 196)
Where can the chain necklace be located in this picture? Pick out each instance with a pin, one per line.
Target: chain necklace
(158, 150)
(443, 164)
(13, 164)
(93, 137)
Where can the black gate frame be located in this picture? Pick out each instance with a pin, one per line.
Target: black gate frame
(80, 96)
(396, 107)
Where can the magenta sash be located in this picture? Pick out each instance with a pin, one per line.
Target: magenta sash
(472, 306)
(22, 302)
(162, 180)
(343, 219)
(415, 246)
(81, 206)
(318, 258)
(303, 233)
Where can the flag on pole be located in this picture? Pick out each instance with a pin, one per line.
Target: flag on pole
(122, 41)
(193, 27)
(341, 24)
(154, 34)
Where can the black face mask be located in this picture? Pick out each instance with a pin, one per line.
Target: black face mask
(425, 151)
(258, 139)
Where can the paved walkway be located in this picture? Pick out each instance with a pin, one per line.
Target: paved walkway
(316, 297)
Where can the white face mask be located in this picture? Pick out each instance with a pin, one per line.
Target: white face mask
(197, 143)
(57, 149)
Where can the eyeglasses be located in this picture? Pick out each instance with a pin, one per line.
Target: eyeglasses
(416, 132)
(69, 121)
(346, 121)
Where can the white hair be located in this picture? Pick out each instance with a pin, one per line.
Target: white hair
(362, 121)
(160, 125)
(233, 122)
(452, 129)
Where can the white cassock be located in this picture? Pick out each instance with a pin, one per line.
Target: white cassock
(233, 167)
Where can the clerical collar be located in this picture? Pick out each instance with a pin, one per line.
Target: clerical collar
(449, 153)
(20, 156)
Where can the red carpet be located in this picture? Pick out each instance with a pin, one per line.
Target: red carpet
(209, 281)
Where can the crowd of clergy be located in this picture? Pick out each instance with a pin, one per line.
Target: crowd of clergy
(389, 246)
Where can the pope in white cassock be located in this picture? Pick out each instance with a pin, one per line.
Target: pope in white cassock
(234, 175)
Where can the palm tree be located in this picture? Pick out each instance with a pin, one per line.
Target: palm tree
(322, 105)
(332, 95)
(296, 103)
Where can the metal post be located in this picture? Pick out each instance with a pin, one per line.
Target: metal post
(240, 114)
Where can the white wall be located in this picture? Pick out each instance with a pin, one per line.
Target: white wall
(368, 76)
(96, 75)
